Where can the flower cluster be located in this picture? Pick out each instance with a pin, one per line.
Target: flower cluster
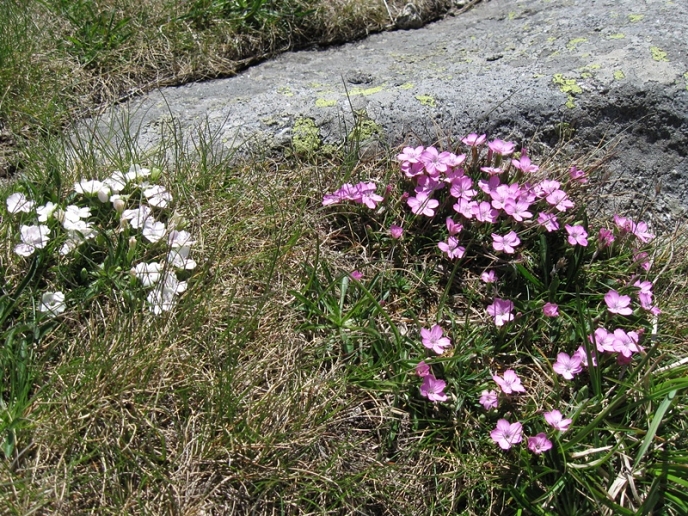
(110, 209)
(498, 211)
(362, 193)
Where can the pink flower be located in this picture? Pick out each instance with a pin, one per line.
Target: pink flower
(580, 352)
(473, 140)
(548, 221)
(618, 304)
(452, 248)
(505, 243)
(539, 444)
(423, 205)
(577, 235)
(605, 238)
(488, 276)
(490, 185)
(517, 209)
(432, 388)
(435, 163)
(485, 213)
(550, 310)
(547, 187)
(510, 382)
(624, 225)
(427, 185)
(577, 175)
(465, 207)
(524, 165)
(642, 233)
(626, 343)
(501, 147)
(396, 231)
(556, 420)
(462, 188)
(412, 170)
(452, 227)
(559, 200)
(454, 161)
(501, 309)
(567, 366)
(603, 340)
(489, 399)
(410, 154)
(433, 339)
(422, 369)
(503, 192)
(356, 275)
(507, 434)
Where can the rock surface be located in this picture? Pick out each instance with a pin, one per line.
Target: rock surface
(605, 70)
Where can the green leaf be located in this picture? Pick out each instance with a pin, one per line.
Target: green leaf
(652, 430)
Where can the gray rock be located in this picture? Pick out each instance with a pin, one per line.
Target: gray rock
(612, 72)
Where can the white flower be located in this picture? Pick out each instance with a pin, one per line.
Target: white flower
(17, 202)
(153, 231)
(33, 237)
(137, 218)
(179, 239)
(136, 172)
(74, 213)
(81, 226)
(158, 196)
(162, 298)
(179, 258)
(116, 182)
(148, 273)
(53, 303)
(46, 211)
(88, 186)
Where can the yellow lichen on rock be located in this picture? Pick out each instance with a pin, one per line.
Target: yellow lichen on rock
(426, 100)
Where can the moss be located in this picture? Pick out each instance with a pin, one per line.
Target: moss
(325, 103)
(571, 102)
(634, 18)
(305, 136)
(618, 75)
(365, 129)
(658, 54)
(586, 75)
(426, 100)
(569, 86)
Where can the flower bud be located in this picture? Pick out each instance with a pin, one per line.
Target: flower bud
(132, 243)
(104, 194)
(118, 203)
(155, 173)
